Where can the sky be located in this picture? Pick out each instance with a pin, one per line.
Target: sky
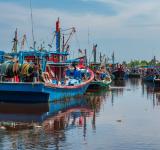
(130, 28)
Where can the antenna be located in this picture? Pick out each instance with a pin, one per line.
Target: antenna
(89, 53)
(88, 38)
(34, 43)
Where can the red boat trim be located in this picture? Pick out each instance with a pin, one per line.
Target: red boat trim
(72, 87)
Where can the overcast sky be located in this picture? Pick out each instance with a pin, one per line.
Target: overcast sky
(130, 28)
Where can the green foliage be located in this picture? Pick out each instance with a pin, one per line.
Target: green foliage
(144, 63)
(134, 63)
(138, 63)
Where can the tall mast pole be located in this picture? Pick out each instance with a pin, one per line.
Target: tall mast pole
(113, 59)
(58, 37)
(33, 39)
(85, 51)
(100, 57)
(95, 52)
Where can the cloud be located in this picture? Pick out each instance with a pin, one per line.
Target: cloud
(134, 24)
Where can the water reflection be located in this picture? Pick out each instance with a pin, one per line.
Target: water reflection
(151, 91)
(117, 89)
(38, 113)
(78, 122)
(51, 119)
(134, 82)
(119, 83)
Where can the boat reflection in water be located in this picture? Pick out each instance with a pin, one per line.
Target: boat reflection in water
(134, 82)
(151, 91)
(119, 83)
(117, 89)
(49, 120)
(50, 116)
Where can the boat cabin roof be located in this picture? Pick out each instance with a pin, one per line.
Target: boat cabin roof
(58, 64)
(31, 53)
(59, 53)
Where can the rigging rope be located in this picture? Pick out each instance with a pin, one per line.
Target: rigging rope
(52, 41)
(77, 40)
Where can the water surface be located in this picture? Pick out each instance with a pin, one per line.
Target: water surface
(123, 118)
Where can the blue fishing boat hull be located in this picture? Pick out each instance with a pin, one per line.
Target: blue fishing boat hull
(58, 93)
(40, 92)
(37, 92)
(23, 92)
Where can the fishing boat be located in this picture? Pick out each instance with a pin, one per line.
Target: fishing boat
(156, 79)
(134, 73)
(40, 76)
(150, 73)
(148, 78)
(102, 78)
(118, 73)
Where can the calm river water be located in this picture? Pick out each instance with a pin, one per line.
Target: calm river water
(126, 117)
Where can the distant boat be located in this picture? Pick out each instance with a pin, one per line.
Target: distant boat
(156, 81)
(149, 78)
(101, 75)
(134, 73)
(119, 73)
(149, 74)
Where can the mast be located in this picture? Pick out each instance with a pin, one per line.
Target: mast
(33, 39)
(58, 38)
(105, 61)
(63, 44)
(85, 52)
(15, 42)
(58, 35)
(63, 47)
(100, 57)
(113, 59)
(95, 52)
